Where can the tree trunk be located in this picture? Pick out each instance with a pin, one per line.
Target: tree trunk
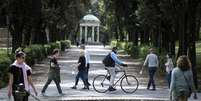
(192, 32)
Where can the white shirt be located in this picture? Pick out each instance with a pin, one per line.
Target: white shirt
(169, 65)
(152, 60)
(87, 56)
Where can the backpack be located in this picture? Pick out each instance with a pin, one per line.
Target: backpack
(108, 61)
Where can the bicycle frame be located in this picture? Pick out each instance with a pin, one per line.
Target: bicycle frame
(124, 74)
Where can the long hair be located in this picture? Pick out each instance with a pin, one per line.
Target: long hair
(183, 63)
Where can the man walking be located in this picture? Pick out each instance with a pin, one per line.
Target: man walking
(153, 63)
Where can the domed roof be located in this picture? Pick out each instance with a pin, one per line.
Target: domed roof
(90, 17)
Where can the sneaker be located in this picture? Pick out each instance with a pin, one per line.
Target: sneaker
(85, 88)
(89, 84)
(43, 94)
(74, 87)
(108, 78)
(61, 94)
(153, 89)
(111, 89)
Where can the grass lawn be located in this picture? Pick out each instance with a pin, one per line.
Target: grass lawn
(2, 51)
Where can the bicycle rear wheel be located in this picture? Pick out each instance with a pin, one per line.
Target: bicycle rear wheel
(101, 84)
(129, 84)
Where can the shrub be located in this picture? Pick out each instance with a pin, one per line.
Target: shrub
(38, 52)
(34, 53)
(5, 62)
(143, 51)
(29, 56)
(47, 49)
(113, 43)
(128, 47)
(65, 44)
(118, 44)
(135, 51)
(54, 46)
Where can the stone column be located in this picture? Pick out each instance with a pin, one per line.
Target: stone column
(85, 34)
(92, 33)
(80, 33)
(47, 31)
(97, 33)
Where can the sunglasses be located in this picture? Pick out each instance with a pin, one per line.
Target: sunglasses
(23, 57)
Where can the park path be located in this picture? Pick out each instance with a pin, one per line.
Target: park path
(69, 58)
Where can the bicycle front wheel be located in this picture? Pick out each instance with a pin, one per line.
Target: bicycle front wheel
(101, 83)
(129, 84)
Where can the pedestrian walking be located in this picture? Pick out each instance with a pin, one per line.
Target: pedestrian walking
(104, 43)
(168, 67)
(109, 61)
(81, 71)
(87, 58)
(20, 80)
(182, 84)
(152, 62)
(54, 73)
(77, 43)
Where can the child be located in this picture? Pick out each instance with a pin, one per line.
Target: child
(54, 73)
(81, 71)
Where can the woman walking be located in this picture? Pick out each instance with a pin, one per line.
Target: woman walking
(168, 67)
(182, 85)
(82, 71)
(54, 73)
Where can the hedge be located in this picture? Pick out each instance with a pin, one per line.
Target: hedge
(65, 44)
(36, 53)
(5, 61)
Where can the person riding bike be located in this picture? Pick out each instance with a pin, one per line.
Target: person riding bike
(110, 60)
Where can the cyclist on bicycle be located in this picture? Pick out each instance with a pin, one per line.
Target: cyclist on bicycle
(112, 68)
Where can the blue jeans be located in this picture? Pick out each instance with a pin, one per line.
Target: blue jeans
(83, 75)
(152, 71)
(168, 76)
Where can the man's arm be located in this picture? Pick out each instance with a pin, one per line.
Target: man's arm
(87, 55)
(114, 57)
(157, 60)
(10, 85)
(172, 84)
(146, 60)
(32, 85)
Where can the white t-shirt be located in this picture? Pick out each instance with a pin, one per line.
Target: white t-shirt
(87, 56)
(169, 65)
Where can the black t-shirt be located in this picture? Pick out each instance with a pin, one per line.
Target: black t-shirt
(82, 60)
(54, 61)
(17, 75)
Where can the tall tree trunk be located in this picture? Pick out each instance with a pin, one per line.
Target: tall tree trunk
(192, 32)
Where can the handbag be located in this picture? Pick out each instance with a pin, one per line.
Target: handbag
(189, 87)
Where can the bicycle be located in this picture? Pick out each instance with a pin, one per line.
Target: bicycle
(128, 83)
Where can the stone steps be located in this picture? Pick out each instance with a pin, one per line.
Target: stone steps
(4, 38)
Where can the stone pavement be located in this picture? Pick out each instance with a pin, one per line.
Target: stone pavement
(69, 58)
